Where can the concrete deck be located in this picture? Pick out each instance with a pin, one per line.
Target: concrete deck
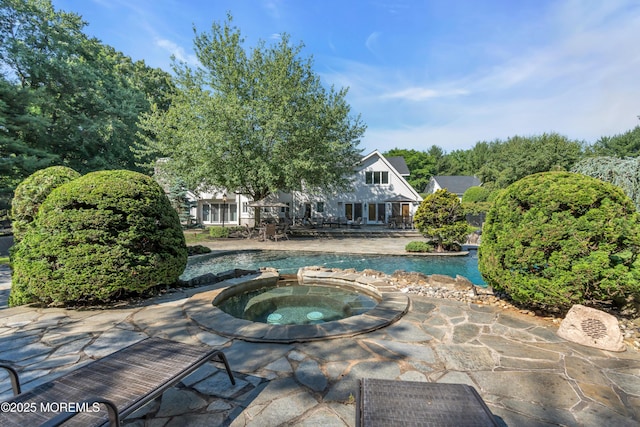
(526, 374)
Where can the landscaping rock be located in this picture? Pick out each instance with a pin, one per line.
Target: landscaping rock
(593, 328)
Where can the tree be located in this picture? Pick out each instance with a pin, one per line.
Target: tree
(625, 173)
(72, 100)
(623, 145)
(98, 237)
(440, 217)
(421, 164)
(556, 239)
(254, 121)
(18, 127)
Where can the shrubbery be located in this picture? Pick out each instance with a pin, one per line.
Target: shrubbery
(31, 192)
(440, 217)
(197, 250)
(475, 194)
(556, 239)
(98, 237)
(219, 232)
(418, 246)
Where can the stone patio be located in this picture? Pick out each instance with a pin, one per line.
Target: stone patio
(526, 374)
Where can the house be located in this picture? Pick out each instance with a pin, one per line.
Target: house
(379, 191)
(456, 184)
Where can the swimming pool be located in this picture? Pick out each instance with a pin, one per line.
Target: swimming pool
(288, 262)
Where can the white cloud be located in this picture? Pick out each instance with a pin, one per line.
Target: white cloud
(422, 94)
(177, 51)
(372, 41)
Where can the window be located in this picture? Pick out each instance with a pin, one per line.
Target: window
(245, 207)
(320, 207)
(377, 177)
(205, 213)
(284, 209)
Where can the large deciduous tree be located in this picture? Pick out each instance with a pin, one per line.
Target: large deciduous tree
(67, 99)
(254, 120)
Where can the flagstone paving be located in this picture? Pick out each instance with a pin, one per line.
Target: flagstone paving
(525, 373)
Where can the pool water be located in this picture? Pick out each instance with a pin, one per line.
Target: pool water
(294, 304)
(288, 262)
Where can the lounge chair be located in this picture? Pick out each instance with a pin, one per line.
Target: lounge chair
(124, 381)
(394, 403)
(356, 223)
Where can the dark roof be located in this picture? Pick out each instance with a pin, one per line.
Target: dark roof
(399, 164)
(456, 184)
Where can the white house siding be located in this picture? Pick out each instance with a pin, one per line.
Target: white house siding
(370, 198)
(209, 208)
(369, 201)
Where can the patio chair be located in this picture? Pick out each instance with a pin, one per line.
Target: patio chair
(356, 223)
(394, 403)
(282, 232)
(270, 232)
(123, 381)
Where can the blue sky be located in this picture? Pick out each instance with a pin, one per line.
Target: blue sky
(448, 73)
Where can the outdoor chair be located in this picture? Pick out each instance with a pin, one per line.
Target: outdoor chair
(403, 403)
(270, 232)
(123, 381)
(356, 223)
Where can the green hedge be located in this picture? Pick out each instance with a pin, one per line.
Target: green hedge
(31, 192)
(558, 239)
(418, 246)
(98, 237)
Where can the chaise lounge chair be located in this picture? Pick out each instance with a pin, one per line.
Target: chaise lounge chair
(124, 381)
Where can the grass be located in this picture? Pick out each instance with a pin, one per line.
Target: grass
(4, 260)
(196, 236)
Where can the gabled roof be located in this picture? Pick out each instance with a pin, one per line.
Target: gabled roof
(400, 165)
(376, 153)
(456, 184)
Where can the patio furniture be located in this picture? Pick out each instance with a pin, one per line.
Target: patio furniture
(123, 381)
(408, 403)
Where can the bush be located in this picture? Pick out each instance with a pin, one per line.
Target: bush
(441, 217)
(31, 192)
(219, 232)
(475, 194)
(418, 246)
(197, 250)
(99, 237)
(556, 239)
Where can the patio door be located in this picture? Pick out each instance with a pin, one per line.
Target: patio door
(405, 210)
(352, 211)
(376, 212)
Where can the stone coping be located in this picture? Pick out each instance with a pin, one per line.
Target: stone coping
(392, 306)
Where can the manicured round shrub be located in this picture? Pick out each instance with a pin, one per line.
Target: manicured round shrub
(31, 192)
(440, 217)
(556, 239)
(418, 246)
(475, 194)
(96, 238)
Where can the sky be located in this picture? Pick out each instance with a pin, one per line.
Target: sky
(449, 73)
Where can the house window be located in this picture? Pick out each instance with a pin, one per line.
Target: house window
(205, 213)
(245, 207)
(233, 212)
(320, 207)
(284, 209)
(215, 213)
(377, 177)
